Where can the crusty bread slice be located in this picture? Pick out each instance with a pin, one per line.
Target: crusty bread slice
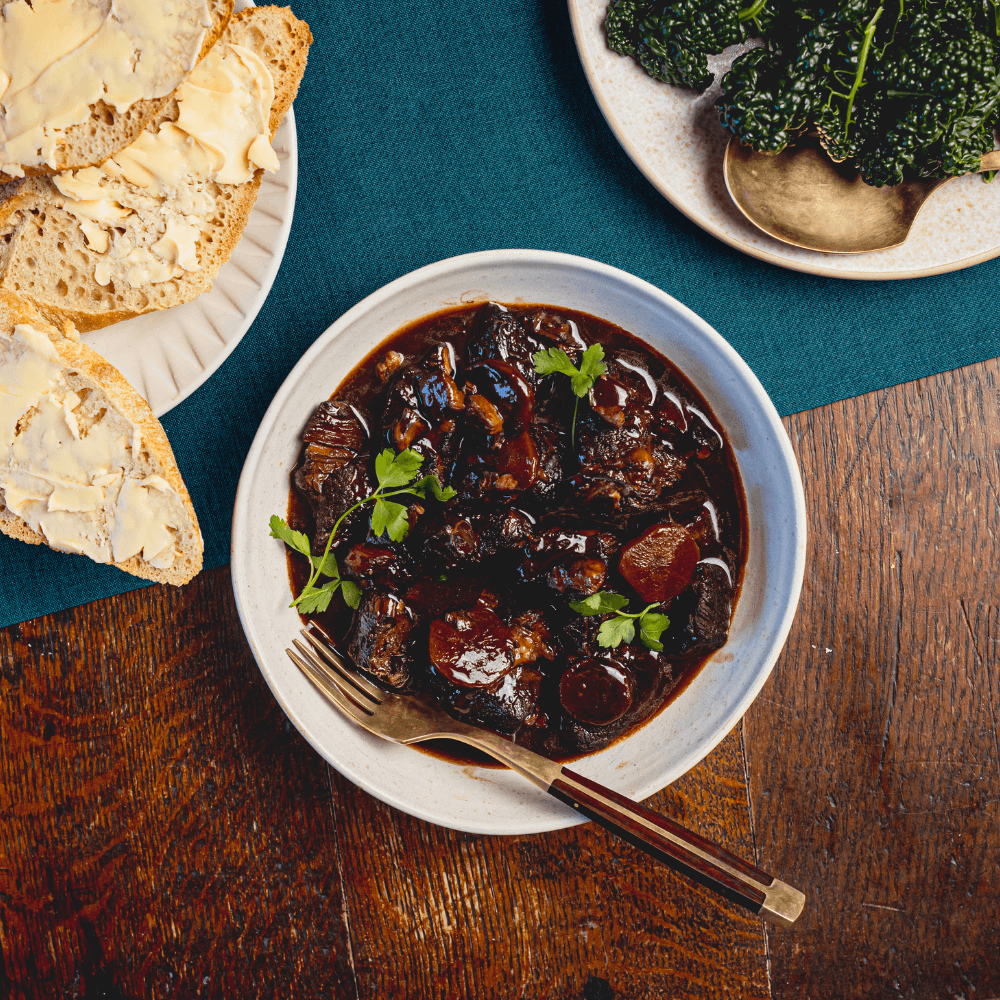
(108, 399)
(107, 131)
(44, 256)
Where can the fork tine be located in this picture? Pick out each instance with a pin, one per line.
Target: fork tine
(334, 678)
(335, 670)
(330, 690)
(329, 652)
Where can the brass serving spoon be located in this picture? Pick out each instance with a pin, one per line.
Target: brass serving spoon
(800, 196)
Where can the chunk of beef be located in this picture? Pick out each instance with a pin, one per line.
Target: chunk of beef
(499, 334)
(382, 638)
(333, 474)
(577, 578)
(452, 540)
(549, 329)
(551, 449)
(424, 408)
(682, 426)
(504, 531)
(624, 465)
(383, 562)
(532, 639)
(555, 544)
(513, 705)
(700, 618)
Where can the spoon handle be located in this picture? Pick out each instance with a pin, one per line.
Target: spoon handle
(990, 161)
(707, 863)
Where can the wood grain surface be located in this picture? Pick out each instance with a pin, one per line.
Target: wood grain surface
(873, 749)
(165, 832)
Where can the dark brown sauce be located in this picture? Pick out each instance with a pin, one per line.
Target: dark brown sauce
(655, 679)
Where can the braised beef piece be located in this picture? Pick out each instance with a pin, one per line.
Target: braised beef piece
(532, 639)
(699, 618)
(504, 532)
(452, 540)
(423, 410)
(549, 328)
(383, 639)
(499, 334)
(333, 474)
(514, 705)
(380, 561)
(568, 562)
(625, 464)
(552, 449)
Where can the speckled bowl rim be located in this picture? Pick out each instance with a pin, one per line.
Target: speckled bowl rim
(698, 219)
(665, 747)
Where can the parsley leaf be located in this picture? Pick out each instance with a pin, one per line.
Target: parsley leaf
(621, 628)
(293, 539)
(592, 364)
(396, 469)
(312, 600)
(351, 593)
(599, 604)
(615, 631)
(390, 518)
(651, 627)
(431, 483)
(555, 361)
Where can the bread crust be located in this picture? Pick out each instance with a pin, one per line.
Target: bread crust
(88, 364)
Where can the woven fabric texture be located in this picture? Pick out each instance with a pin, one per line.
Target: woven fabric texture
(427, 131)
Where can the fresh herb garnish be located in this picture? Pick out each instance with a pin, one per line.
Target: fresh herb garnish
(556, 361)
(621, 628)
(395, 473)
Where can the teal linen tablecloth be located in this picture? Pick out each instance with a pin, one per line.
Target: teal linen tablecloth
(429, 130)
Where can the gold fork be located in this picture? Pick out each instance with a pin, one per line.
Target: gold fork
(410, 720)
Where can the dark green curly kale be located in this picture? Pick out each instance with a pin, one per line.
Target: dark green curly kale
(807, 77)
(901, 88)
(673, 40)
(935, 97)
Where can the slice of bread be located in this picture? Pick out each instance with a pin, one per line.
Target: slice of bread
(106, 406)
(107, 130)
(44, 255)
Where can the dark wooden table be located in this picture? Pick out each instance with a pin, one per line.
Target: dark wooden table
(165, 832)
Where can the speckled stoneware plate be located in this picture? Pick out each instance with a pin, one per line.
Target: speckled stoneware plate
(674, 137)
(167, 355)
(486, 800)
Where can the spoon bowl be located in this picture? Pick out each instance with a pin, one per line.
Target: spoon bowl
(800, 196)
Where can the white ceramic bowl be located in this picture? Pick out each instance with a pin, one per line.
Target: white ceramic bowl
(484, 800)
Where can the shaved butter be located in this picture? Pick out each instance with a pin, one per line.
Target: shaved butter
(59, 57)
(145, 208)
(69, 484)
(225, 105)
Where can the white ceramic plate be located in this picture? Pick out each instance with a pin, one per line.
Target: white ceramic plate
(166, 355)
(483, 800)
(674, 137)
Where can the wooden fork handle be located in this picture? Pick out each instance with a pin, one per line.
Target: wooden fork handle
(707, 863)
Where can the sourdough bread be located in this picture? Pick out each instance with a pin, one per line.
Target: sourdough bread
(84, 465)
(107, 130)
(46, 257)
